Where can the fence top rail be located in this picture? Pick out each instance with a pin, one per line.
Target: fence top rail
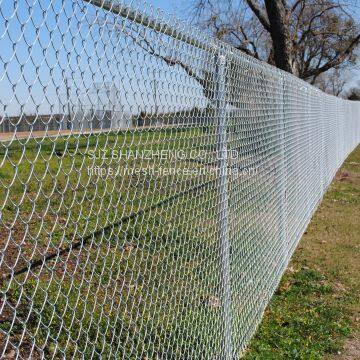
(157, 25)
(196, 38)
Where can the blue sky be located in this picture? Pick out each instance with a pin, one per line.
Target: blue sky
(176, 7)
(46, 45)
(51, 51)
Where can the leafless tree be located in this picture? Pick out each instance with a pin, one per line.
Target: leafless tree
(304, 37)
(332, 82)
(312, 39)
(354, 93)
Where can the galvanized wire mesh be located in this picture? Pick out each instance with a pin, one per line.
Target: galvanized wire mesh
(154, 182)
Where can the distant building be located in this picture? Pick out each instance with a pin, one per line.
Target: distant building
(79, 121)
(99, 119)
(31, 123)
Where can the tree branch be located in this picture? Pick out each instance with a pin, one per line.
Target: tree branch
(260, 14)
(295, 5)
(311, 21)
(242, 46)
(144, 43)
(333, 62)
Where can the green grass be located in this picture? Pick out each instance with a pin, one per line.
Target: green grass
(122, 292)
(302, 322)
(315, 308)
(56, 194)
(148, 286)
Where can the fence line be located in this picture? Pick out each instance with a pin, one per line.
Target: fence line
(153, 198)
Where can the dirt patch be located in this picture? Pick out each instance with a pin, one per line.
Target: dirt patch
(342, 176)
(351, 350)
(13, 246)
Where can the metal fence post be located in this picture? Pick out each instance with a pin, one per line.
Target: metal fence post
(322, 154)
(224, 215)
(283, 207)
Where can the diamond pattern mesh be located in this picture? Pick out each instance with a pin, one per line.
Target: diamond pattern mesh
(154, 182)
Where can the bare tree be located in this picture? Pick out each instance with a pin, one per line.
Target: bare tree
(304, 37)
(354, 93)
(332, 82)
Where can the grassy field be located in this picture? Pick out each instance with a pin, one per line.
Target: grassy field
(315, 312)
(107, 264)
(127, 264)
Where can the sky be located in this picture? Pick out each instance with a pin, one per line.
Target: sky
(68, 57)
(40, 56)
(176, 7)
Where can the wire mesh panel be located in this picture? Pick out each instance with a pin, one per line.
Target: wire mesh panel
(154, 182)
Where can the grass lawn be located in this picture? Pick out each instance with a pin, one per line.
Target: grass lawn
(315, 313)
(121, 290)
(129, 266)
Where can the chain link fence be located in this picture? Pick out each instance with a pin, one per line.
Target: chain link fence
(154, 182)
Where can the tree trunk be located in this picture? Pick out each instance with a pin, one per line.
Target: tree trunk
(280, 35)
